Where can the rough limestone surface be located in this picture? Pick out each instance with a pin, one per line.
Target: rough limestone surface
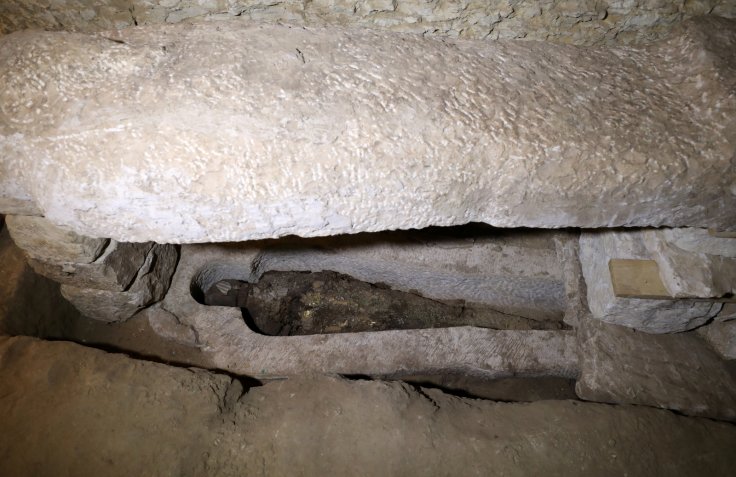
(721, 336)
(672, 371)
(71, 410)
(728, 312)
(77, 260)
(567, 245)
(150, 285)
(692, 262)
(29, 303)
(652, 316)
(570, 21)
(167, 326)
(45, 242)
(226, 132)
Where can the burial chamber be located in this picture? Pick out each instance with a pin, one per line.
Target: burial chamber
(142, 168)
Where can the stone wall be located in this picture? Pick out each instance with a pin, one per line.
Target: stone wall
(584, 22)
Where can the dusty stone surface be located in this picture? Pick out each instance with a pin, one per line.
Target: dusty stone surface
(653, 316)
(69, 410)
(77, 260)
(150, 285)
(234, 347)
(335, 131)
(694, 263)
(29, 303)
(167, 325)
(571, 21)
(673, 371)
(32, 305)
(568, 253)
(95, 410)
(728, 312)
(45, 242)
(505, 389)
(721, 336)
(114, 271)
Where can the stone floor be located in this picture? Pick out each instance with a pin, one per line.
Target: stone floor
(70, 410)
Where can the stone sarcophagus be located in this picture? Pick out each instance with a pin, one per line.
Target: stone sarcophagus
(225, 132)
(117, 145)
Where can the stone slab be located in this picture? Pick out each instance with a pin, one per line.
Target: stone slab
(721, 336)
(649, 315)
(114, 271)
(230, 132)
(45, 242)
(567, 245)
(692, 262)
(71, 410)
(728, 312)
(77, 260)
(150, 285)
(671, 371)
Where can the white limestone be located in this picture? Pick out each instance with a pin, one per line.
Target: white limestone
(222, 132)
(693, 263)
(43, 241)
(652, 316)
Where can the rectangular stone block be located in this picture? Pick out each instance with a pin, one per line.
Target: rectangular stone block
(150, 285)
(115, 270)
(45, 242)
(597, 249)
(673, 371)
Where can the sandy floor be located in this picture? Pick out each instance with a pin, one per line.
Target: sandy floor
(71, 410)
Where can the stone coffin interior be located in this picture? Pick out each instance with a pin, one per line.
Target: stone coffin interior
(470, 275)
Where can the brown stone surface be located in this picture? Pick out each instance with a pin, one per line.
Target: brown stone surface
(29, 304)
(672, 371)
(150, 285)
(721, 336)
(69, 410)
(229, 132)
